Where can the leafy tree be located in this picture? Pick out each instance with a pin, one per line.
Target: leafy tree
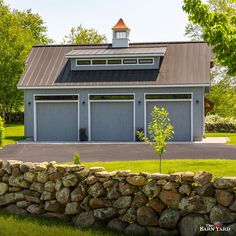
(160, 130)
(218, 24)
(19, 31)
(222, 94)
(81, 35)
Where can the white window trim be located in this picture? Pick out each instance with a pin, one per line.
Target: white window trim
(103, 101)
(169, 100)
(122, 62)
(54, 101)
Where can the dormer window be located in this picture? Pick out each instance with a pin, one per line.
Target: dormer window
(121, 34)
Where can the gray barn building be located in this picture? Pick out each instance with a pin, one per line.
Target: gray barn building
(109, 90)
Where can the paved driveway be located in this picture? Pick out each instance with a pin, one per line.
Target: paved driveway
(113, 152)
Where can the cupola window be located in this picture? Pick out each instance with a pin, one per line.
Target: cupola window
(121, 34)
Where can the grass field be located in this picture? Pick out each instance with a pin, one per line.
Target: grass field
(35, 226)
(231, 136)
(217, 167)
(13, 133)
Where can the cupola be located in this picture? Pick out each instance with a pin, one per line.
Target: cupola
(120, 35)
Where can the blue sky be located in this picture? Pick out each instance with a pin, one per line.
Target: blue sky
(149, 20)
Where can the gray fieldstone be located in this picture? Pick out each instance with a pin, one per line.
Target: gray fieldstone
(151, 189)
(139, 200)
(31, 177)
(130, 216)
(49, 186)
(42, 177)
(63, 195)
(77, 195)
(99, 203)
(10, 198)
(34, 209)
(127, 189)
(116, 224)
(123, 202)
(225, 182)
(136, 229)
(23, 204)
(170, 198)
(202, 177)
(190, 225)
(84, 219)
(70, 180)
(53, 206)
(221, 214)
(104, 213)
(169, 218)
(97, 190)
(136, 180)
(147, 216)
(157, 205)
(3, 188)
(13, 209)
(72, 208)
(224, 198)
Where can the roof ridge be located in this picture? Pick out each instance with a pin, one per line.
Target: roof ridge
(109, 44)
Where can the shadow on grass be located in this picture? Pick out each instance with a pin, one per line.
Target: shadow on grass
(15, 138)
(50, 222)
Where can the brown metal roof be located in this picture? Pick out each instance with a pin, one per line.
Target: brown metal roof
(183, 63)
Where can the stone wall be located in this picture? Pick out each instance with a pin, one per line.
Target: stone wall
(138, 203)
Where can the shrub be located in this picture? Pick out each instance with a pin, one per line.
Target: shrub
(220, 127)
(215, 123)
(76, 158)
(216, 119)
(2, 132)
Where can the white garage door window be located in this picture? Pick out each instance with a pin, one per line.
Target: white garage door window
(111, 117)
(172, 101)
(64, 108)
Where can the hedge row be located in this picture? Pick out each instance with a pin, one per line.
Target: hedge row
(220, 127)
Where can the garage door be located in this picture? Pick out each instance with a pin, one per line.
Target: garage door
(57, 121)
(179, 114)
(112, 121)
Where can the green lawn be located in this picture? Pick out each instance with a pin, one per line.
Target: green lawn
(217, 167)
(231, 136)
(13, 133)
(35, 226)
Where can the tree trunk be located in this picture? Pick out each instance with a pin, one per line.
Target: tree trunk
(160, 165)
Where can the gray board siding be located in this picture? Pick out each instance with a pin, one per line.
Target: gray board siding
(198, 105)
(112, 121)
(183, 63)
(57, 120)
(179, 114)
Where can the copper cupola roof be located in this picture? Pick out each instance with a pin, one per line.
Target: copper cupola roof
(120, 25)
